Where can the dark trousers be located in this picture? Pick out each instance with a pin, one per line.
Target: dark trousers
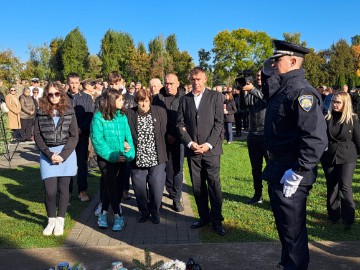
(340, 201)
(257, 153)
(174, 169)
(127, 176)
(113, 177)
(238, 123)
(228, 131)
(52, 184)
(149, 201)
(82, 154)
(205, 178)
(290, 219)
(26, 129)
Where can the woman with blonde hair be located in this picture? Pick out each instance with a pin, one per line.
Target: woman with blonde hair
(339, 160)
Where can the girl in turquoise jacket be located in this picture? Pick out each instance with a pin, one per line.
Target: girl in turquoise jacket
(111, 137)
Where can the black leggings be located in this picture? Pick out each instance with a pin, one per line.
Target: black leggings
(51, 188)
(113, 175)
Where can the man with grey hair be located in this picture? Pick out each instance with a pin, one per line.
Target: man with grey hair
(155, 86)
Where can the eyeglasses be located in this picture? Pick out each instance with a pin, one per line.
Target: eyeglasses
(336, 102)
(35, 92)
(51, 95)
(12, 90)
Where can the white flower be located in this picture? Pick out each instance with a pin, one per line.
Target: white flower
(173, 265)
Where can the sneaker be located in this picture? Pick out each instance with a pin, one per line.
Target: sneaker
(83, 196)
(59, 226)
(118, 223)
(98, 209)
(178, 207)
(255, 199)
(102, 220)
(50, 227)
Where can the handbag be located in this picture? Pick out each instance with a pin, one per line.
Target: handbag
(4, 108)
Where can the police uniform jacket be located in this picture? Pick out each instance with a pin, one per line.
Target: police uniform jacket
(295, 129)
(344, 145)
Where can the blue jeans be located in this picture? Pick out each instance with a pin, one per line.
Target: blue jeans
(228, 131)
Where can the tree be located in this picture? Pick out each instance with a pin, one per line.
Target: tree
(158, 58)
(55, 62)
(177, 62)
(238, 50)
(95, 64)
(10, 66)
(75, 54)
(115, 52)
(38, 63)
(314, 70)
(355, 40)
(342, 63)
(204, 58)
(294, 38)
(139, 65)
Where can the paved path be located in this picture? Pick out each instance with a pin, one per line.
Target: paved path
(174, 228)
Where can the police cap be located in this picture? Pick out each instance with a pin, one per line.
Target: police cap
(87, 81)
(283, 48)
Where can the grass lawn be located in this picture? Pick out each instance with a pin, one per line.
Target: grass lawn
(256, 223)
(22, 209)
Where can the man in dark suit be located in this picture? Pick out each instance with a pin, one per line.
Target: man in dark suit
(200, 121)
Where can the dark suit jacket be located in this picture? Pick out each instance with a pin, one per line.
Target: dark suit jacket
(159, 117)
(202, 125)
(343, 147)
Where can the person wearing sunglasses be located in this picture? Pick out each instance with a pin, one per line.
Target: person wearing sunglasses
(14, 106)
(56, 135)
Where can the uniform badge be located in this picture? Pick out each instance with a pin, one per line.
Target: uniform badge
(306, 102)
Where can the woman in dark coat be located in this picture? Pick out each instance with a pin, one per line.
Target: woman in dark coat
(229, 116)
(339, 160)
(148, 129)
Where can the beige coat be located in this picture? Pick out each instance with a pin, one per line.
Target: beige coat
(13, 103)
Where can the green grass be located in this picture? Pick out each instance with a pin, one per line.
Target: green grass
(256, 223)
(22, 209)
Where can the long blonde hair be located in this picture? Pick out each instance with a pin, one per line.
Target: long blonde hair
(347, 113)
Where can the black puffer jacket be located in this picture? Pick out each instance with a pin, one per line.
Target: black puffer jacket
(65, 133)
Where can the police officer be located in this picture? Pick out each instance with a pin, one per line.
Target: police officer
(295, 137)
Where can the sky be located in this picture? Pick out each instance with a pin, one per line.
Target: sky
(195, 23)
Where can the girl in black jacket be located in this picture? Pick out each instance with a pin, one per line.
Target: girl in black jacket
(339, 160)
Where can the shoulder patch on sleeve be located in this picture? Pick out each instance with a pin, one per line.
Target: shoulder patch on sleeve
(306, 102)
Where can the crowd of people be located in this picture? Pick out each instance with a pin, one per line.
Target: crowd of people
(144, 134)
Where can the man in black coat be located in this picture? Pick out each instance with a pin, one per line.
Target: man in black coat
(84, 110)
(200, 121)
(169, 98)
